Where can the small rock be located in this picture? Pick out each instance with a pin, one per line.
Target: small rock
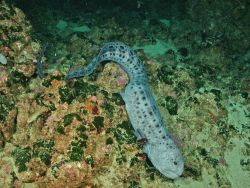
(3, 59)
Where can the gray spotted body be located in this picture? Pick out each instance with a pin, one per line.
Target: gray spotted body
(141, 108)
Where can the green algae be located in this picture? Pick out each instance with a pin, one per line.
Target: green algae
(166, 74)
(66, 95)
(83, 89)
(133, 161)
(18, 77)
(117, 99)
(5, 106)
(202, 151)
(89, 160)
(55, 167)
(76, 150)
(105, 93)
(22, 156)
(218, 96)
(81, 129)
(67, 119)
(39, 98)
(60, 129)
(123, 133)
(98, 123)
(180, 87)
(109, 141)
(134, 184)
(171, 105)
(51, 106)
(121, 158)
(193, 171)
(43, 149)
(77, 145)
(109, 108)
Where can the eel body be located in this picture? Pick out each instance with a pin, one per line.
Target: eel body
(141, 108)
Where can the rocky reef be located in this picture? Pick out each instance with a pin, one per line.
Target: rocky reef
(57, 133)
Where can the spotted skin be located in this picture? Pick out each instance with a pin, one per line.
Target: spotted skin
(141, 108)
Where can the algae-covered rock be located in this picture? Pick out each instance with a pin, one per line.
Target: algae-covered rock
(61, 24)
(57, 133)
(6, 104)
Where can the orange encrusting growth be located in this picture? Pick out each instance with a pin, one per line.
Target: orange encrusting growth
(54, 82)
(88, 106)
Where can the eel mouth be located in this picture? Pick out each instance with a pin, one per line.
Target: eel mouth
(174, 175)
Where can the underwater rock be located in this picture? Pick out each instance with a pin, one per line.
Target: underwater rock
(3, 59)
(61, 25)
(203, 48)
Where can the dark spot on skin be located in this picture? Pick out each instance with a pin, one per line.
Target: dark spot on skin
(175, 163)
(163, 137)
(145, 115)
(143, 98)
(146, 104)
(157, 125)
(154, 120)
(151, 113)
(159, 131)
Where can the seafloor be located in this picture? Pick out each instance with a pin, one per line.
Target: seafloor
(57, 133)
